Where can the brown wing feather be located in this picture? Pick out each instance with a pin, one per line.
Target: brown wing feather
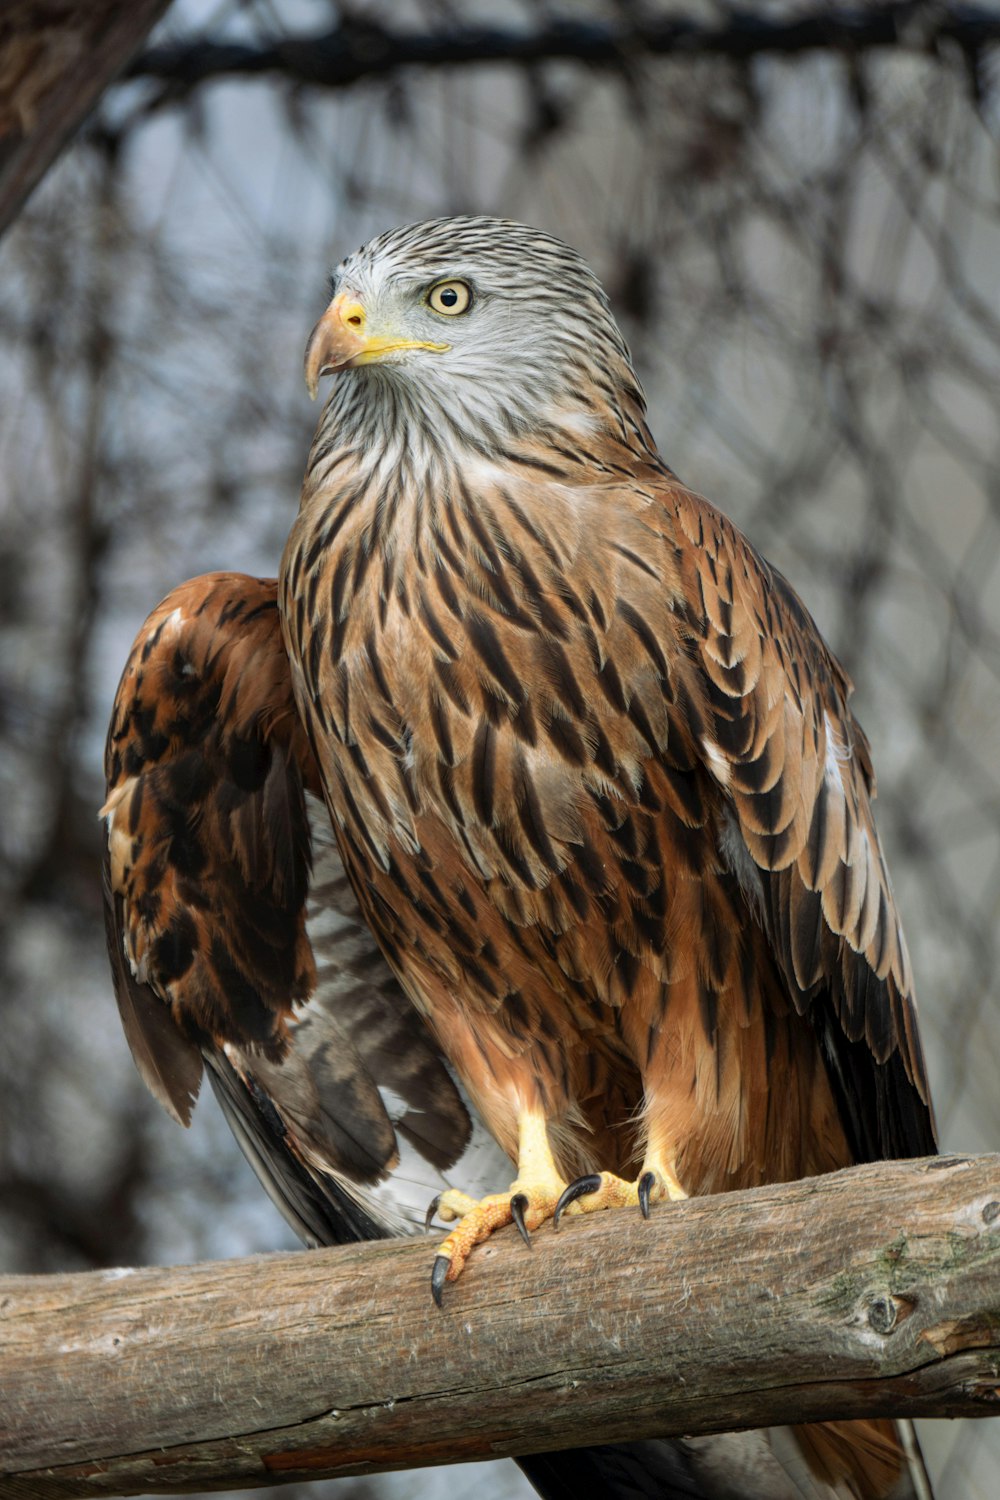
(170, 1066)
(210, 898)
(208, 846)
(768, 704)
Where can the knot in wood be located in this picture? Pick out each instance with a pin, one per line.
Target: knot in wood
(886, 1311)
(991, 1213)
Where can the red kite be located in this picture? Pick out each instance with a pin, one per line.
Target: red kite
(605, 867)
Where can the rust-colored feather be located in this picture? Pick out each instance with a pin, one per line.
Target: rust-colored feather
(622, 824)
(208, 850)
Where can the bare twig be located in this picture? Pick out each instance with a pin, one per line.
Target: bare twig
(356, 50)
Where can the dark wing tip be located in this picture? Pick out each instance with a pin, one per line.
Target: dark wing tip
(170, 1066)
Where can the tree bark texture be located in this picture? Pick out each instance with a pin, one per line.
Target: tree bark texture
(56, 58)
(874, 1291)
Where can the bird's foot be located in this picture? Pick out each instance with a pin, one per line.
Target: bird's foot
(527, 1203)
(604, 1190)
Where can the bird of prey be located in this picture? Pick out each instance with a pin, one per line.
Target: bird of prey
(604, 886)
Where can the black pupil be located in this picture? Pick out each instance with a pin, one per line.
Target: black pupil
(449, 296)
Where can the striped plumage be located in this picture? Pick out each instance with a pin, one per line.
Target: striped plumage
(589, 761)
(593, 776)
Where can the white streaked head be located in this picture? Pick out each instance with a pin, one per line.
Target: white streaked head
(501, 326)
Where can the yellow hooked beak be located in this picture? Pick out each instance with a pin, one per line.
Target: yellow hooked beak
(340, 341)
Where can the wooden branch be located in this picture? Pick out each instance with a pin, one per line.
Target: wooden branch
(870, 1292)
(356, 50)
(56, 59)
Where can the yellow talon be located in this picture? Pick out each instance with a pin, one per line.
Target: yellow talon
(528, 1202)
(539, 1193)
(604, 1190)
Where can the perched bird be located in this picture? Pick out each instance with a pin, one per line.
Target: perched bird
(605, 887)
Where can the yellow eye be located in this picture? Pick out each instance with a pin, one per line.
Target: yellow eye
(450, 298)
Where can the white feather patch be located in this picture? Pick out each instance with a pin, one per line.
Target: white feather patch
(717, 762)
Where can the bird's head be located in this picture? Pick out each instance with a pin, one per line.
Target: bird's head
(498, 326)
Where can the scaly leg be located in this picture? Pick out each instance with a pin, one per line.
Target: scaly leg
(657, 1181)
(528, 1202)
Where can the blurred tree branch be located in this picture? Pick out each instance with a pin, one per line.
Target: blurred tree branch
(870, 1292)
(364, 49)
(56, 59)
(68, 839)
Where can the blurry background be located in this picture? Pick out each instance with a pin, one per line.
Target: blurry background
(798, 221)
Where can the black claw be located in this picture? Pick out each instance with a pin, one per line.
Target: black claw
(517, 1206)
(647, 1183)
(438, 1277)
(435, 1205)
(578, 1189)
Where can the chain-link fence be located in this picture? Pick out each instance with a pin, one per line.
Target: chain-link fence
(803, 245)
